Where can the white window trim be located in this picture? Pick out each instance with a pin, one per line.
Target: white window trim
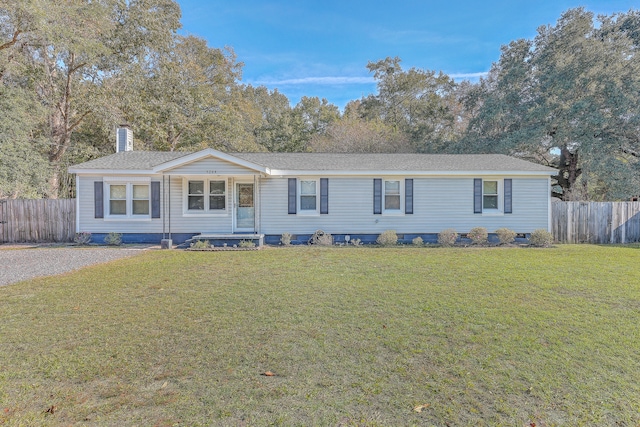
(500, 210)
(392, 212)
(307, 212)
(206, 212)
(128, 183)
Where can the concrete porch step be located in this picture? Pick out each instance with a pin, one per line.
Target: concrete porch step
(218, 239)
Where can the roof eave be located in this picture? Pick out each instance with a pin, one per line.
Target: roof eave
(82, 171)
(275, 172)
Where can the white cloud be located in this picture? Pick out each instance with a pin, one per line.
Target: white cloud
(335, 80)
(344, 80)
(467, 76)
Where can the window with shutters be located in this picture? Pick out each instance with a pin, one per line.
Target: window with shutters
(127, 200)
(490, 197)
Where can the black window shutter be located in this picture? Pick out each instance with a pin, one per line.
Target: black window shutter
(324, 195)
(477, 195)
(98, 199)
(507, 196)
(377, 196)
(292, 195)
(408, 196)
(155, 199)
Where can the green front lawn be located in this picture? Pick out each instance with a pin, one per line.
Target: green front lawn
(354, 336)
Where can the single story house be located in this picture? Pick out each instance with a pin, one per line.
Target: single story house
(149, 196)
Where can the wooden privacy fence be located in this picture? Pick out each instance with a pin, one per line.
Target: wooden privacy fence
(48, 220)
(593, 222)
(37, 220)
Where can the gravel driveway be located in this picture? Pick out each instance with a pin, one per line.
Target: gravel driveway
(17, 264)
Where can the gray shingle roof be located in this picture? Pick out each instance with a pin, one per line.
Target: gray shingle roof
(391, 162)
(147, 160)
(131, 160)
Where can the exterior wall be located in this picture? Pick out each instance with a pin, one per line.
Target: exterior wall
(438, 203)
(197, 223)
(86, 221)
(173, 218)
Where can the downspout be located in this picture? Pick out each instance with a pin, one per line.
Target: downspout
(77, 206)
(164, 209)
(169, 179)
(549, 208)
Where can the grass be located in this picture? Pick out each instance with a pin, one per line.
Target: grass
(354, 336)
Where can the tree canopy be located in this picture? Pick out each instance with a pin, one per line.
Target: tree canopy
(71, 71)
(569, 98)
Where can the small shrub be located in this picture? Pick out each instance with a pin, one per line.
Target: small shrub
(285, 239)
(417, 241)
(82, 238)
(355, 242)
(247, 244)
(387, 238)
(505, 235)
(200, 244)
(478, 235)
(113, 239)
(447, 237)
(321, 238)
(541, 238)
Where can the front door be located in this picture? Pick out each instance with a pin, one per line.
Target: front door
(245, 207)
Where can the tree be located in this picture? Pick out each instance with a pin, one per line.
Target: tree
(570, 98)
(315, 115)
(277, 128)
(72, 51)
(189, 99)
(23, 168)
(416, 102)
(285, 129)
(354, 135)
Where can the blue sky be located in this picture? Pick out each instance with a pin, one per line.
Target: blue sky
(321, 48)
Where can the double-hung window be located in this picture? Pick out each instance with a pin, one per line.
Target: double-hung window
(392, 195)
(489, 195)
(206, 196)
(195, 196)
(492, 196)
(389, 196)
(128, 200)
(308, 196)
(118, 199)
(217, 195)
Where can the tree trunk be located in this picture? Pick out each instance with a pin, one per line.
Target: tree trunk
(54, 181)
(568, 173)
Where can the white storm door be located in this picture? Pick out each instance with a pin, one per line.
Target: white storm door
(245, 207)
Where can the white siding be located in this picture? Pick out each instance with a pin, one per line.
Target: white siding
(178, 222)
(439, 203)
(211, 166)
(86, 215)
(181, 223)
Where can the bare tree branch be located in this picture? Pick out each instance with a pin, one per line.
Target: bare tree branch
(11, 42)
